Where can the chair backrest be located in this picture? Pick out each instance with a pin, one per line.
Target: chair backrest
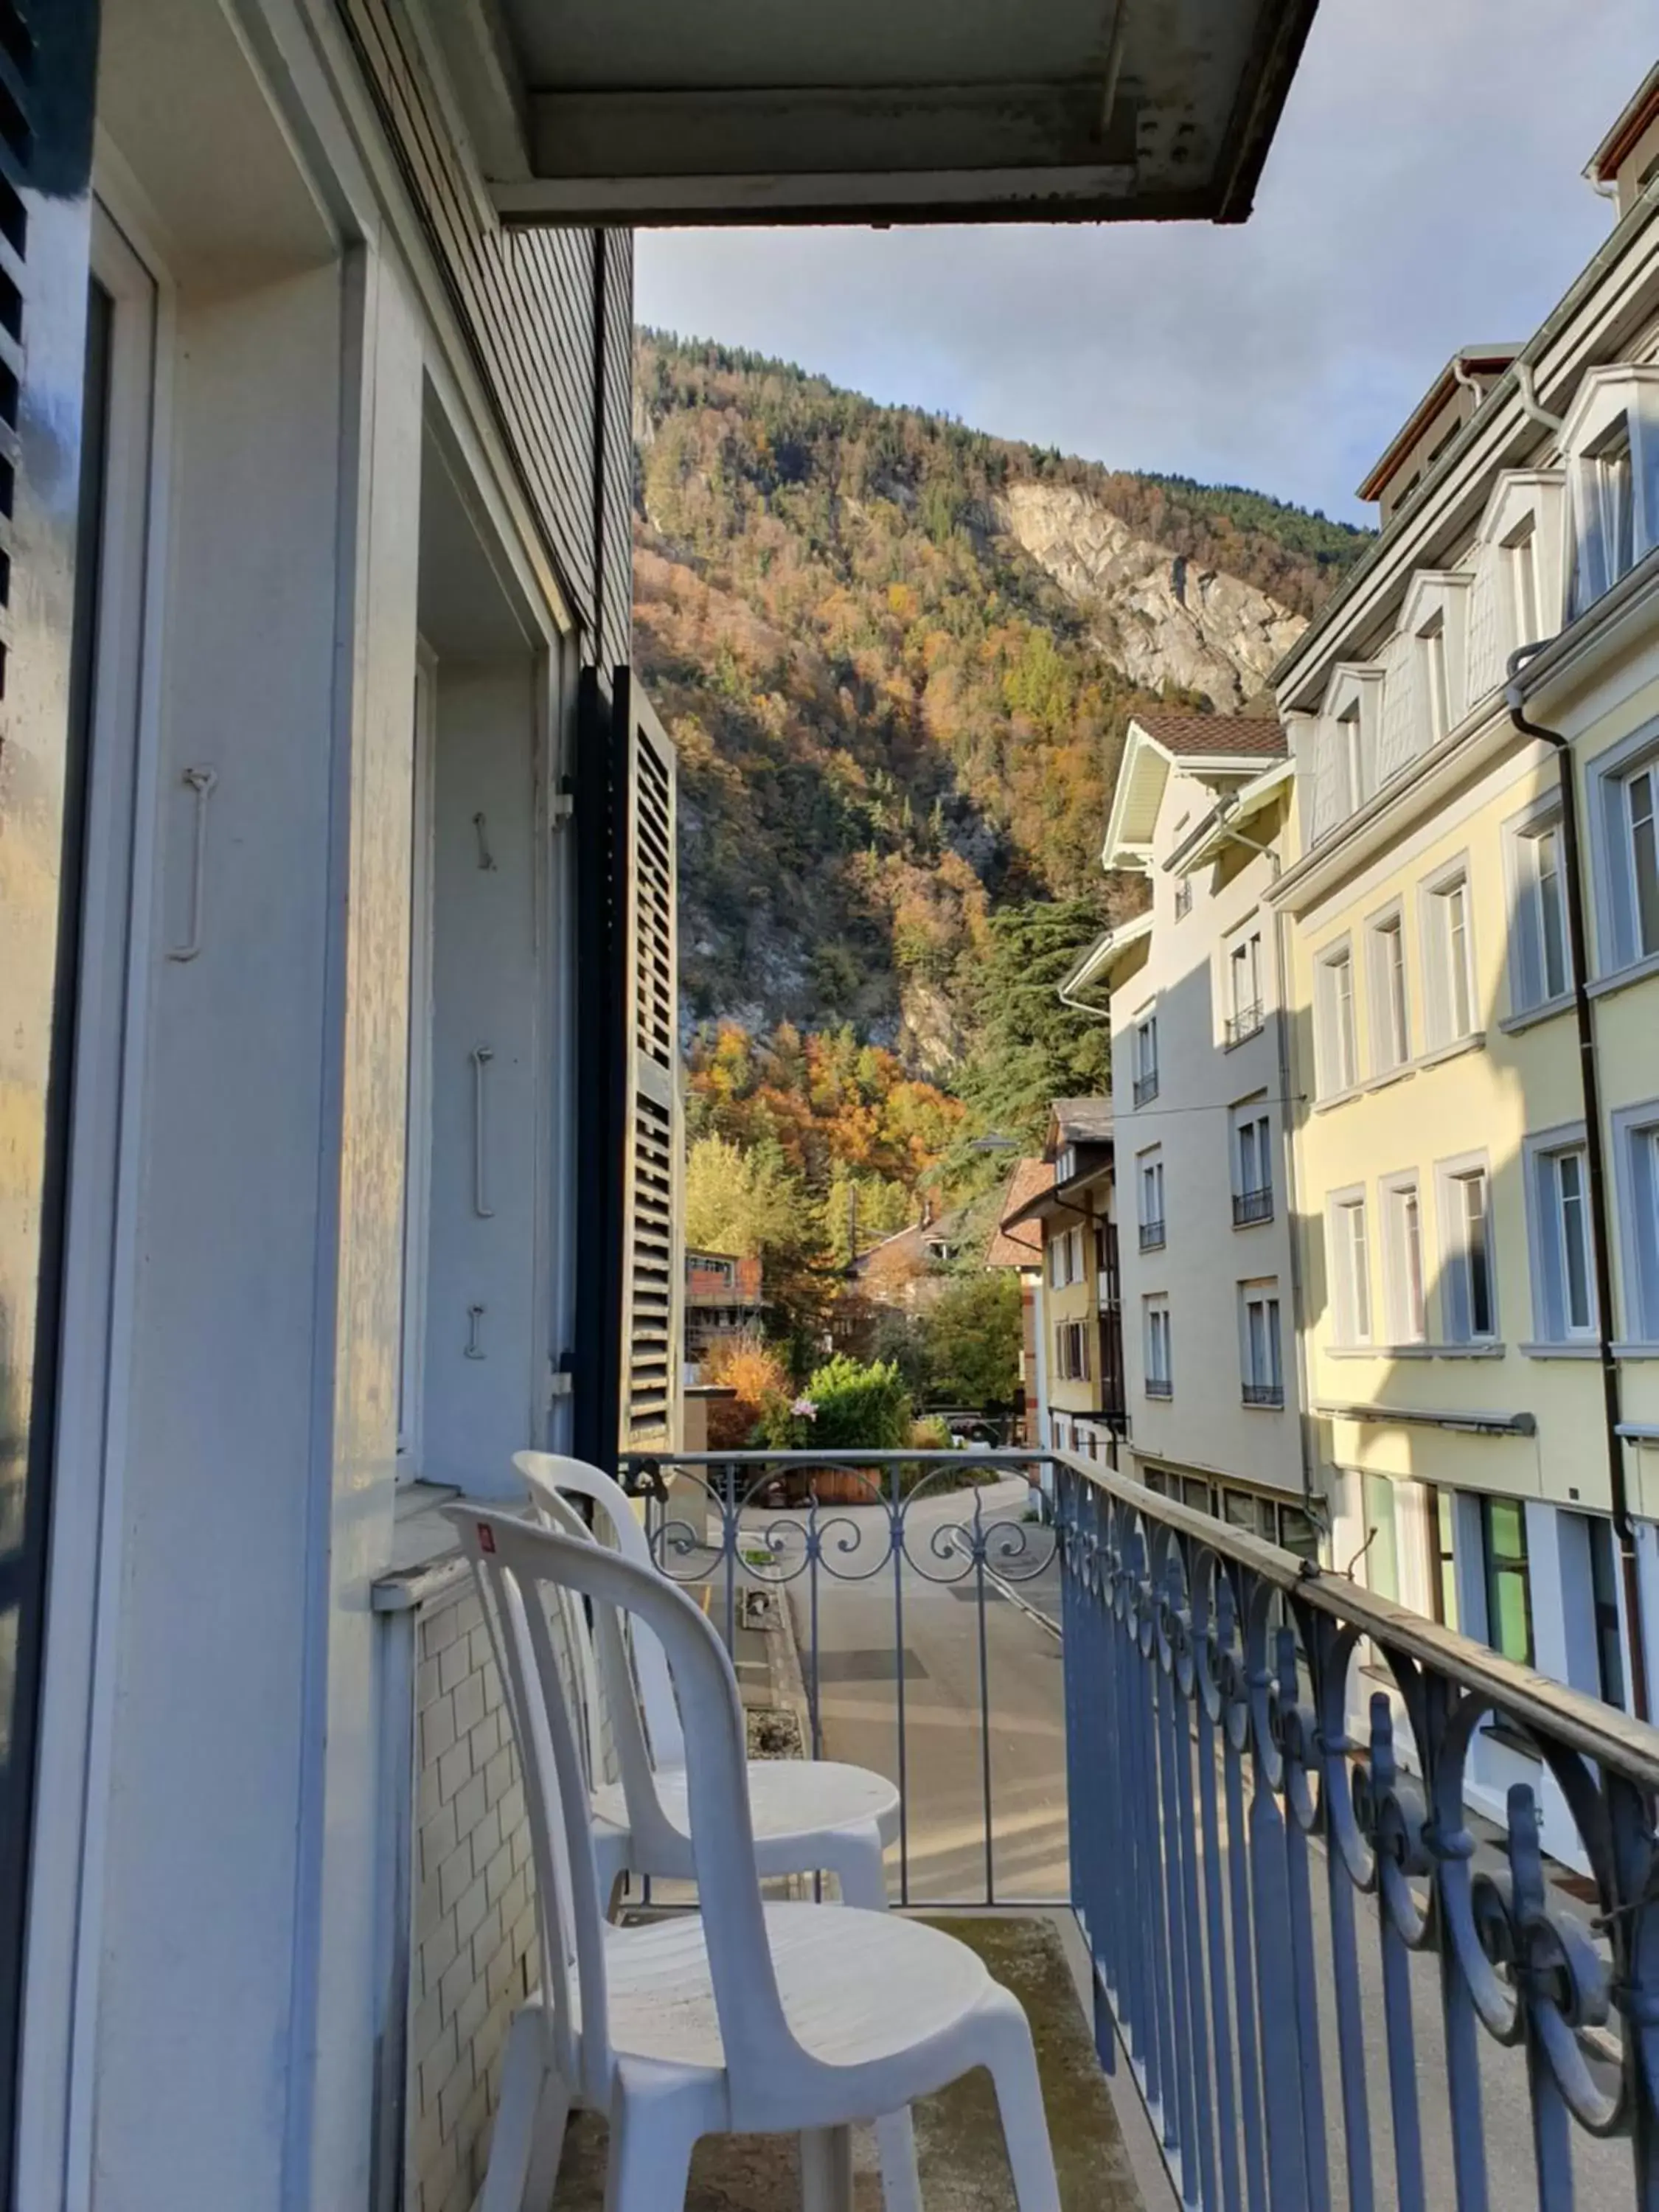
(522, 1567)
(551, 1479)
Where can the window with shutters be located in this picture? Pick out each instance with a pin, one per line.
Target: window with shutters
(650, 1352)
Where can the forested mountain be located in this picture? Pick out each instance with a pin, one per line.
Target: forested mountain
(898, 657)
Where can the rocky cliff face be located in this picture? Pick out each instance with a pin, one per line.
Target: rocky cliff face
(1158, 615)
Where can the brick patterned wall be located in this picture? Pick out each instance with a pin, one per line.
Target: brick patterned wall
(473, 1951)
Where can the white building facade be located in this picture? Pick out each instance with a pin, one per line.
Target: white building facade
(1199, 1072)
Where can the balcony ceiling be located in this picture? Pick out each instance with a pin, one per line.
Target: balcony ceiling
(653, 112)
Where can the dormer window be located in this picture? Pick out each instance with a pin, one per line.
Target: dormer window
(1355, 754)
(1521, 560)
(1611, 439)
(1436, 691)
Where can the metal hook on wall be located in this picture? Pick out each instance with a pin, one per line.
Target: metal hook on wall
(482, 1056)
(486, 858)
(474, 1349)
(200, 781)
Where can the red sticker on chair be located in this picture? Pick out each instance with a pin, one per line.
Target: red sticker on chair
(486, 1537)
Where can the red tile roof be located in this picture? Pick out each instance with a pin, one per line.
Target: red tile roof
(1021, 1245)
(1238, 736)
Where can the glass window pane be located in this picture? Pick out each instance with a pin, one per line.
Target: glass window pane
(1445, 1519)
(1383, 1548)
(1644, 861)
(1552, 919)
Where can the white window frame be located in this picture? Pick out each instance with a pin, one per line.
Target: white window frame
(1252, 1135)
(1613, 406)
(1245, 993)
(1261, 1349)
(1405, 1301)
(1446, 902)
(1636, 1184)
(1433, 662)
(1145, 1051)
(1388, 984)
(1336, 1044)
(1621, 942)
(1056, 1248)
(1348, 1246)
(1149, 1176)
(1520, 556)
(1554, 1159)
(1157, 1334)
(1540, 940)
(1457, 1301)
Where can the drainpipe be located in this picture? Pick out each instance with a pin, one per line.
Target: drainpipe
(1526, 392)
(1596, 1165)
(1311, 1505)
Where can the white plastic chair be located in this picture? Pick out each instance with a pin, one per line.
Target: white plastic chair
(810, 1816)
(745, 2018)
(814, 1816)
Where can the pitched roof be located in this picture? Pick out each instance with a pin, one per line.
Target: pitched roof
(1019, 1243)
(1083, 1120)
(1215, 736)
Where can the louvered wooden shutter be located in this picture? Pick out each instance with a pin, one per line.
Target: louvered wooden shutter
(651, 1261)
(48, 55)
(629, 1142)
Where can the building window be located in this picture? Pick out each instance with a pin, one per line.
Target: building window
(1145, 1080)
(1382, 1537)
(1253, 1167)
(1351, 1268)
(1604, 1599)
(1151, 1187)
(1509, 1582)
(1442, 1556)
(1262, 1373)
(1354, 754)
(1056, 1263)
(1521, 559)
(1437, 692)
(1603, 544)
(1335, 1053)
(1468, 1298)
(1627, 827)
(1635, 1163)
(1538, 951)
(1402, 1262)
(1183, 898)
(1643, 853)
(1245, 1002)
(1390, 1027)
(1449, 957)
(1159, 1369)
(1072, 1351)
(1563, 1285)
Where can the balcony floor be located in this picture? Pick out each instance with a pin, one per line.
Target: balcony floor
(959, 2143)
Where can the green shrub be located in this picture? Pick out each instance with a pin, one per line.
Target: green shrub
(855, 1406)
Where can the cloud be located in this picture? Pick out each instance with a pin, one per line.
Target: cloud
(1423, 193)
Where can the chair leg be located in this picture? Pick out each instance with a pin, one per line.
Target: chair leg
(864, 1883)
(524, 2072)
(826, 2170)
(552, 2119)
(650, 2162)
(1025, 2124)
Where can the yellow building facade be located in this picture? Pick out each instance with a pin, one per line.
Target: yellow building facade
(1476, 1124)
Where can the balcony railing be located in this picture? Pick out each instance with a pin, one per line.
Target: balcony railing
(1244, 1023)
(1253, 1206)
(1264, 1394)
(1145, 1087)
(1330, 1979)
(1159, 1386)
(1151, 1236)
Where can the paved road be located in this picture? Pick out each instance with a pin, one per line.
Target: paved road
(858, 1607)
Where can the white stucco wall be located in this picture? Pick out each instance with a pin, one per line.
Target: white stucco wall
(1203, 1424)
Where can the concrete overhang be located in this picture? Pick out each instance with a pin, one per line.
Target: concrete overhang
(639, 112)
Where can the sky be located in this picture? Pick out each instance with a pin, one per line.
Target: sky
(1423, 193)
